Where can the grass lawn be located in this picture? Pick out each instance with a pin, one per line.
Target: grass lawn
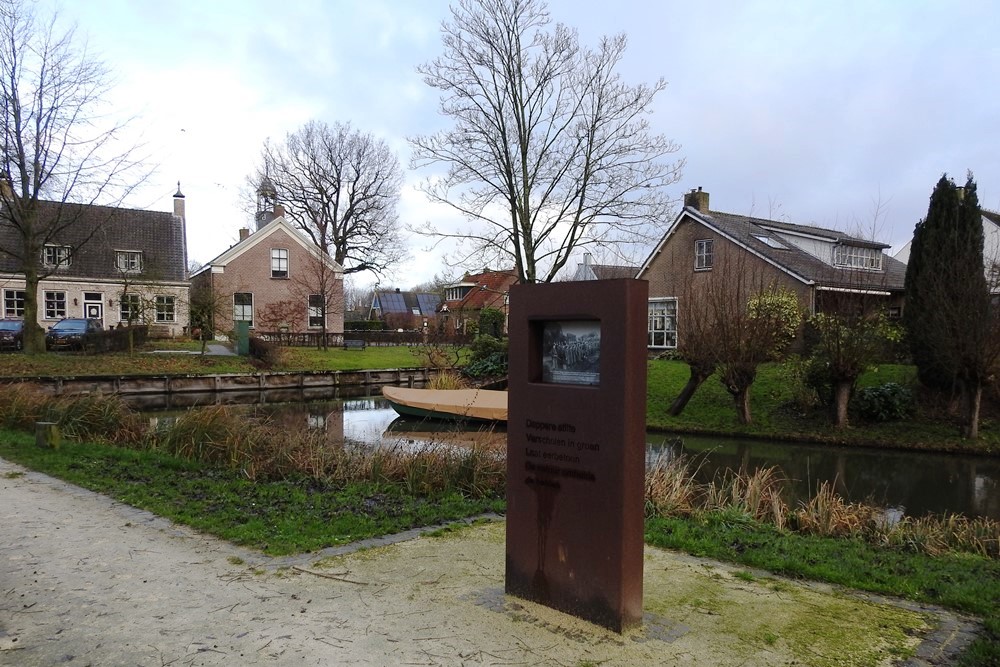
(776, 415)
(293, 359)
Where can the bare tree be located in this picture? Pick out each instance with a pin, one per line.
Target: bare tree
(58, 149)
(321, 287)
(341, 187)
(550, 149)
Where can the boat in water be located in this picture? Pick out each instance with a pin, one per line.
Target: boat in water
(449, 404)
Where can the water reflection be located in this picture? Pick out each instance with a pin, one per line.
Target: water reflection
(913, 482)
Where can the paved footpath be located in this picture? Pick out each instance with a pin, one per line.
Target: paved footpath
(85, 580)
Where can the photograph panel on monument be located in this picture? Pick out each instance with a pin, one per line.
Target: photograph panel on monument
(571, 352)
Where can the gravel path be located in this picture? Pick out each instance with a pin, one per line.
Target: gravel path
(85, 580)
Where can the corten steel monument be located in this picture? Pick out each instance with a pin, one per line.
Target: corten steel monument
(576, 448)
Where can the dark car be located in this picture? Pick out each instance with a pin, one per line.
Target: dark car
(11, 334)
(68, 334)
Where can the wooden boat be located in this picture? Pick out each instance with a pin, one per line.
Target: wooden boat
(468, 404)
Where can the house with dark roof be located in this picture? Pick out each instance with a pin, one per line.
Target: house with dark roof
(275, 279)
(823, 267)
(991, 249)
(400, 309)
(587, 270)
(466, 299)
(112, 264)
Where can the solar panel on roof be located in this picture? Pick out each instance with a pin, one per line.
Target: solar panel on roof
(428, 303)
(392, 302)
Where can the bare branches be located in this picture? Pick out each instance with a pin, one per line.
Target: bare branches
(550, 151)
(341, 188)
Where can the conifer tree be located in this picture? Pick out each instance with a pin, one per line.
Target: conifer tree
(948, 317)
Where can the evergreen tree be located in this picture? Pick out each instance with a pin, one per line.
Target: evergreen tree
(948, 316)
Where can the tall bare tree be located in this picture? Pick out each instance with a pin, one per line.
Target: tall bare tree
(550, 150)
(59, 149)
(341, 187)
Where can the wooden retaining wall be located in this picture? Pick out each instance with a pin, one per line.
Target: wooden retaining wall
(132, 385)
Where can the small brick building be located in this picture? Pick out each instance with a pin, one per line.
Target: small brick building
(277, 280)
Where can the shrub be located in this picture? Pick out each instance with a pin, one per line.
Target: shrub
(491, 322)
(363, 325)
(887, 402)
(487, 357)
(266, 352)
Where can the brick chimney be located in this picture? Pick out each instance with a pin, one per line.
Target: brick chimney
(279, 211)
(244, 233)
(697, 199)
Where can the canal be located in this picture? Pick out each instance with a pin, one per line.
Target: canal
(914, 483)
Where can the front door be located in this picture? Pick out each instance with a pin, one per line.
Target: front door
(93, 306)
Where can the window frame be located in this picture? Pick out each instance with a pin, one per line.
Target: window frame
(11, 301)
(665, 332)
(277, 259)
(63, 255)
(238, 315)
(848, 256)
(133, 302)
(166, 308)
(50, 304)
(127, 265)
(315, 312)
(704, 254)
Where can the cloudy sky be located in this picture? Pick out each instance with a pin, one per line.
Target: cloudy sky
(810, 112)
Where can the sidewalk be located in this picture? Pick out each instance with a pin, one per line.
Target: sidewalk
(85, 580)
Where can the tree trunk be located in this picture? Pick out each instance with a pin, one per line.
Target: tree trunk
(973, 399)
(743, 405)
(699, 373)
(34, 335)
(841, 398)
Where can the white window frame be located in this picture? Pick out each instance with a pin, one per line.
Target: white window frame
(13, 302)
(56, 255)
(704, 254)
(240, 311)
(315, 312)
(130, 304)
(279, 259)
(661, 327)
(129, 261)
(166, 308)
(54, 305)
(857, 257)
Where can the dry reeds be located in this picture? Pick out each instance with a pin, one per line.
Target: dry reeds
(447, 380)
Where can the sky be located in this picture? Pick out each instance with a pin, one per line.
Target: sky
(838, 114)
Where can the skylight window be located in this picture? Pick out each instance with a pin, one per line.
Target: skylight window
(770, 242)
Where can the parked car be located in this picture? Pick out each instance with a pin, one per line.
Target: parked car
(11, 334)
(68, 333)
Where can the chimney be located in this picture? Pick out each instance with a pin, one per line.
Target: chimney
(179, 202)
(697, 200)
(244, 234)
(587, 259)
(279, 211)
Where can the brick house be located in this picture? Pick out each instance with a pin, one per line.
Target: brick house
(822, 267)
(464, 300)
(107, 263)
(276, 279)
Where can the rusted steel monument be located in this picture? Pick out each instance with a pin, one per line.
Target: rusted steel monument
(576, 448)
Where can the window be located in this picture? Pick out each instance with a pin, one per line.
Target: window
(243, 307)
(316, 310)
(856, 257)
(55, 305)
(128, 260)
(56, 255)
(165, 309)
(13, 303)
(279, 263)
(130, 308)
(662, 323)
(703, 255)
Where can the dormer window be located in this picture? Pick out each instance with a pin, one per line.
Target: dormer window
(129, 261)
(857, 257)
(279, 262)
(56, 255)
